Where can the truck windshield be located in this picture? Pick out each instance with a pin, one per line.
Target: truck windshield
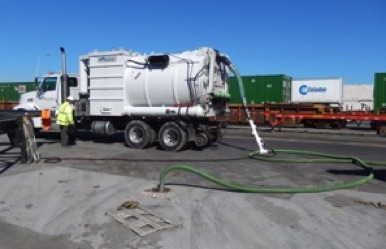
(48, 84)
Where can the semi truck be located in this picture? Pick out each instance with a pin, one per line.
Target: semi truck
(47, 96)
(175, 99)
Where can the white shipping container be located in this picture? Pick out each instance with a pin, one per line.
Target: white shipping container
(358, 97)
(318, 90)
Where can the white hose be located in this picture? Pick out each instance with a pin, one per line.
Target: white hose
(259, 141)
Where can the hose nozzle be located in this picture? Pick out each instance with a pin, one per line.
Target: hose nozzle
(259, 141)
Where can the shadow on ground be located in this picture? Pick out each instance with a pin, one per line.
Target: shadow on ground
(9, 156)
(379, 174)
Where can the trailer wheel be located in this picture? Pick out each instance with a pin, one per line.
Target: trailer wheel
(308, 124)
(172, 137)
(339, 124)
(138, 134)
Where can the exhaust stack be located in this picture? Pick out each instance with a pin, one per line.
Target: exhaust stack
(64, 77)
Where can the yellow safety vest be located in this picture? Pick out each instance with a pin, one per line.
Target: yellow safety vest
(65, 116)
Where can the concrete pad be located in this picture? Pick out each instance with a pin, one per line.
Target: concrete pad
(63, 201)
(73, 203)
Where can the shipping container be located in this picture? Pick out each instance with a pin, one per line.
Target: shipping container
(10, 92)
(358, 97)
(318, 90)
(379, 91)
(261, 89)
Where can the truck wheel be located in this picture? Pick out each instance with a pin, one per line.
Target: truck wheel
(138, 134)
(172, 137)
(201, 140)
(153, 136)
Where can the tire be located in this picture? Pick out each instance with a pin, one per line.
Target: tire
(307, 124)
(338, 125)
(321, 124)
(138, 134)
(201, 140)
(172, 137)
(153, 138)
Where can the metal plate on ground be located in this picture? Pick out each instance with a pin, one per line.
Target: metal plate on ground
(141, 221)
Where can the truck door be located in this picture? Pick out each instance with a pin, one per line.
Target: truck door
(73, 87)
(47, 93)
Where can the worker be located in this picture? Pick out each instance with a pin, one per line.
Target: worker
(65, 119)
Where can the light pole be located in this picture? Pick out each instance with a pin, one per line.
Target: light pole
(48, 62)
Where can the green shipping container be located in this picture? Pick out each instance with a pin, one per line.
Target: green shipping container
(11, 91)
(261, 89)
(379, 90)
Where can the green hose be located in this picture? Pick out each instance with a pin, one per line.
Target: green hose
(323, 158)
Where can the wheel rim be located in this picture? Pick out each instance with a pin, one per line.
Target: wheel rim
(171, 137)
(136, 135)
(201, 140)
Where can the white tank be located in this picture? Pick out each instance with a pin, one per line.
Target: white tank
(192, 83)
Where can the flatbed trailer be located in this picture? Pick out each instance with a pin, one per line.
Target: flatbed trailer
(310, 116)
(263, 113)
(378, 121)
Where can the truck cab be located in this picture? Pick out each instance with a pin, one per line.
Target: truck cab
(47, 95)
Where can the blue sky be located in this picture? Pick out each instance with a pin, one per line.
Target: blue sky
(299, 38)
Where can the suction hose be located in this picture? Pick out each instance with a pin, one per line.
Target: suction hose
(259, 141)
(321, 158)
(261, 154)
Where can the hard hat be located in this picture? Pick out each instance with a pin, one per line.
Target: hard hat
(70, 98)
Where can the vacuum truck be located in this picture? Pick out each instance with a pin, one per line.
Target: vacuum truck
(175, 99)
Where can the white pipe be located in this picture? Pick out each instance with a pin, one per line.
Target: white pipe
(211, 69)
(194, 111)
(259, 141)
